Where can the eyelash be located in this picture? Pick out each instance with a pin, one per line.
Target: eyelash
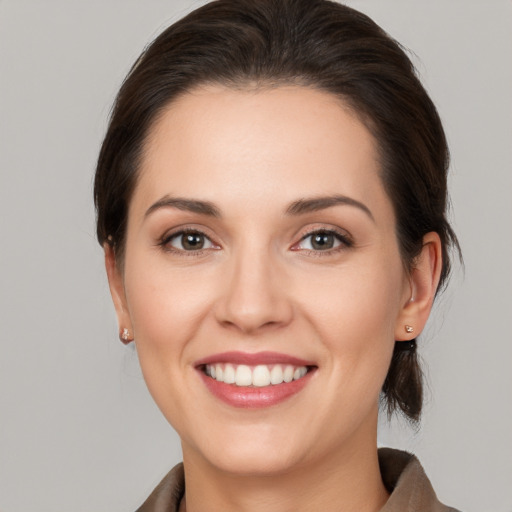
(344, 239)
(345, 242)
(164, 242)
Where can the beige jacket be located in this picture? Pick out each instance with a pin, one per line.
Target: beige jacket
(402, 474)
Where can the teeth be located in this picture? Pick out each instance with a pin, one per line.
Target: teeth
(243, 376)
(219, 373)
(276, 375)
(288, 374)
(229, 374)
(299, 372)
(258, 376)
(261, 376)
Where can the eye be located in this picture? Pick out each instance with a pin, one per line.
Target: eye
(322, 240)
(188, 241)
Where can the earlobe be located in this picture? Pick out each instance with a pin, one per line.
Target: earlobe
(115, 281)
(424, 279)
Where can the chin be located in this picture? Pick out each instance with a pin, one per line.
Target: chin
(252, 451)
(253, 461)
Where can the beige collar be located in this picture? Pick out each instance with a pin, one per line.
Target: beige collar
(410, 489)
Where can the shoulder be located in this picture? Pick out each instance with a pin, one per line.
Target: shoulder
(409, 487)
(167, 494)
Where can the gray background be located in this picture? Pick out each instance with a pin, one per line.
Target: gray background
(78, 430)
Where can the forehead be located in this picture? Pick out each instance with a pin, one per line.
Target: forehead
(220, 144)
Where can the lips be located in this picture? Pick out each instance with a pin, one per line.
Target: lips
(254, 380)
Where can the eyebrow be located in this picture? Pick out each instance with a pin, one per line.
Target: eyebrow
(299, 207)
(188, 205)
(315, 204)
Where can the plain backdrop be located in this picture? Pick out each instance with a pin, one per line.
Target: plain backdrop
(78, 430)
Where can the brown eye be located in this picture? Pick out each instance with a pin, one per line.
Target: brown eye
(190, 241)
(323, 240)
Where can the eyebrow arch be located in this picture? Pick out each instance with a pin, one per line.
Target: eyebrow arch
(189, 205)
(315, 204)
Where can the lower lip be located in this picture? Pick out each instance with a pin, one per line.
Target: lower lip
(254, 397)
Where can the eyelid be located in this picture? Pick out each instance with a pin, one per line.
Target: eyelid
(166, 238)
(345, 239)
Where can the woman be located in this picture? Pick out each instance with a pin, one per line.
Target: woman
(271, 197)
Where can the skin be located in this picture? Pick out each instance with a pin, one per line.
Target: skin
(259, 286)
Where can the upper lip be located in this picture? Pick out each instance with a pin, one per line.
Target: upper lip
(253, 359)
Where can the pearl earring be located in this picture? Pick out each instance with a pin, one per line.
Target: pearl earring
(125, 336)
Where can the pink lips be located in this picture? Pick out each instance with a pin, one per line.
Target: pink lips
(249, 397)
(253, 359)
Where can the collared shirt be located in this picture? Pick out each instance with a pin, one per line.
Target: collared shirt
(410, 489)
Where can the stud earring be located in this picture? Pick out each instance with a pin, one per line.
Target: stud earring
(125, 336)
(409, 329)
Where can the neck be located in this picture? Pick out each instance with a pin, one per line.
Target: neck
(348, 481)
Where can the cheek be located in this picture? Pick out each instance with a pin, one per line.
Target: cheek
(357, 301)
(354, 313)
(166, 307)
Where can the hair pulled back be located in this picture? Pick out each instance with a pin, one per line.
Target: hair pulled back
(313, 43)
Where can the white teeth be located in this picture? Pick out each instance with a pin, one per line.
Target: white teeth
(258, 376)
(243, 376)
(229, 374)
(261, 376)
(219, 373)
(288, 373)
(276, 375)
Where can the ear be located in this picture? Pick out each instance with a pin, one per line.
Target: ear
(116, 284)
(424, 279)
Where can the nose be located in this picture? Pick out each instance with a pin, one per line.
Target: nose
(255, 294)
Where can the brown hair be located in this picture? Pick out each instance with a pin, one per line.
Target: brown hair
(314, 43)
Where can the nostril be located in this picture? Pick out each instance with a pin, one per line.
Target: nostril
(253, 298)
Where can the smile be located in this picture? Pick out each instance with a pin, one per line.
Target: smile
(254, 380)
(257, 376)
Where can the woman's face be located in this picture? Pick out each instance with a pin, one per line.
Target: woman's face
(261, 243)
